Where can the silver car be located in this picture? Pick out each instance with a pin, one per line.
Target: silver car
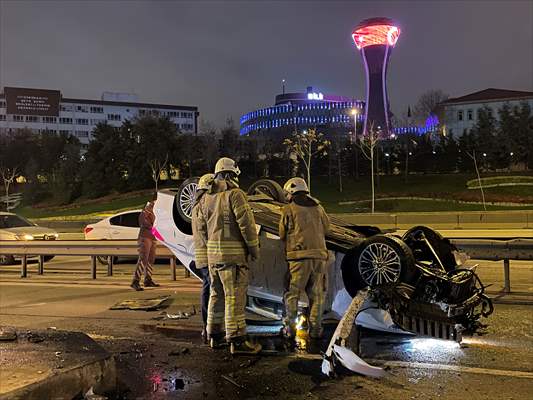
(15, 227)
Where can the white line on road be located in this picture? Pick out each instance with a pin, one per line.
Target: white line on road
(456, 368)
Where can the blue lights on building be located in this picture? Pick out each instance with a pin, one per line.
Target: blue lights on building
(303, 110)
(431, 126)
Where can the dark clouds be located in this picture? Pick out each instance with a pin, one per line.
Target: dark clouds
(229, 57)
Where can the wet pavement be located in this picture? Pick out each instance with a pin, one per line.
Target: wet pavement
(159, 358)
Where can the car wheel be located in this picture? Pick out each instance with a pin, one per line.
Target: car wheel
(186, 197)
(380, 260)
(443, 248)
(6, 259)
(270, 188)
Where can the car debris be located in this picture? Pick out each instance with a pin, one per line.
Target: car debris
(141, 304)
(232, 381)
(7, 334)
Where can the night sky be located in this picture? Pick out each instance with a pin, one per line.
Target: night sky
(230, 57)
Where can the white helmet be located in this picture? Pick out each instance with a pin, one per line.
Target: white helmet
(294, 185)
(226, 164)
(205, 182)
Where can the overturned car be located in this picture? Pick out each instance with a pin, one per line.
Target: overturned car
(417, 280)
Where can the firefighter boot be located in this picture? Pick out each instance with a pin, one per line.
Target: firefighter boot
(217, 341)
(244, 347)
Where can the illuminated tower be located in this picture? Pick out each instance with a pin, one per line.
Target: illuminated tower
(376, 37)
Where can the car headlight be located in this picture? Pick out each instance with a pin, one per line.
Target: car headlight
(56, 235)
(26, 237)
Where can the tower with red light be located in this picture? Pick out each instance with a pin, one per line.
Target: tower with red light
(375, 38)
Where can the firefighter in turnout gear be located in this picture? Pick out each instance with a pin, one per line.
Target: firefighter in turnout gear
(199, 266)
(303, 226)
(227, 225)
(146, 245)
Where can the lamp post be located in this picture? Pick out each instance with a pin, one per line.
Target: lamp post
(356, 153)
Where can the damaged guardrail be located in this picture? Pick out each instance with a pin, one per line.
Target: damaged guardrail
(478, 249)
(91, 248)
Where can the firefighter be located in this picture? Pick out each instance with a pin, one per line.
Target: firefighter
(228, 226)
(302, 227)
(146, 245)
(199, 266)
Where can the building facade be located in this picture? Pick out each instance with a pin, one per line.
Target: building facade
(48, 111)
(298, 111)
(460, 114)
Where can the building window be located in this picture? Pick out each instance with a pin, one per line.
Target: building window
(98, 121)
(186, 126)
(142, 112)
(18, 118)
(173, 114)
(489, 112)
(65, 120)
(32, 118)
(113, 117)
(65, 132)
(50, 120)
(82, 121)
(2, 104)
(50, 131)
(82, 134)
(2, 117)
(470, 115)
(186, 115)
(82, 109)
(65, 107)
(97, 110)
(460, 115)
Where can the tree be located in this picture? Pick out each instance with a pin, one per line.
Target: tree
(305, 147)
(427, 104)
(8, 176)
(157, 166)
(368, 145)
(484, 137)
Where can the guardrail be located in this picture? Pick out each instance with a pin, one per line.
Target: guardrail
(478, 249)
(91, 248)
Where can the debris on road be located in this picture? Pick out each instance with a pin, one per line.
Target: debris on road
(232, 381)
(7, 334)
(179, 352)
(179, 315)
(141, 304)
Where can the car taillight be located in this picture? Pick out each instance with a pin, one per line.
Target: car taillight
(87, 229)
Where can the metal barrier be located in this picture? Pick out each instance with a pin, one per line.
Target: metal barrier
(478, 249)
(91, 248)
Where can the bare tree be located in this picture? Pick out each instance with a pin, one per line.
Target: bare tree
(473, 157)
(8, 176)
(427, 104)
(368, 144)
(305, 146)
(157, 166)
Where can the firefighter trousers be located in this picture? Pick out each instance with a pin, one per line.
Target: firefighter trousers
(309, 276)
(146, 250)
(227, 300)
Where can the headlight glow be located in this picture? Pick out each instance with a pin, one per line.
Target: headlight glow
(28, 237)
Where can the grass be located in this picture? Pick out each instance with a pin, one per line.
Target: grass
(447, 187)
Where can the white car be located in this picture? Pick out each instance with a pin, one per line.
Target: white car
(122, 226)
(15, 227)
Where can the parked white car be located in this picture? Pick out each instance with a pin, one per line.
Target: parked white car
(15, 227)
(122, 226)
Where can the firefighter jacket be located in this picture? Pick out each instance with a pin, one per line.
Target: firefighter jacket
(146, 222)
(227, 223)
(199, 233)
(303, 226)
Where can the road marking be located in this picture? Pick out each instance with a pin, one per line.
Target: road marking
(456, 368)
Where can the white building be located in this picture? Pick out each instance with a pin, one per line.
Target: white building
(460, 114)
(48, 111)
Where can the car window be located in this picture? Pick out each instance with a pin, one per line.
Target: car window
(13, 221)
(115, 220)
(131, 219)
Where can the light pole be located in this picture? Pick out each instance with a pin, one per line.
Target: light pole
(356, 156)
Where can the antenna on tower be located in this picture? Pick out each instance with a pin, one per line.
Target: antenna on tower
(283, 86)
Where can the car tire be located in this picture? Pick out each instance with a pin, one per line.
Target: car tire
(442, 246)
(6, 259)
(185, 198)
(270, 188)
(360, 266)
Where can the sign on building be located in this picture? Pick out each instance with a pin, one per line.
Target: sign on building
(23, 101)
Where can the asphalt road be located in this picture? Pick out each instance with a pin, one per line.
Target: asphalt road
(497, 365)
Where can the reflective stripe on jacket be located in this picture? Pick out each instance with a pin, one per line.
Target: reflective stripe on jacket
(227, 224)
(303, 226)
(199, 234)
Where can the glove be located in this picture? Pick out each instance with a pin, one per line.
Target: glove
(253, 253)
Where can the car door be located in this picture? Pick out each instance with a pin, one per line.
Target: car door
(125, 226)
